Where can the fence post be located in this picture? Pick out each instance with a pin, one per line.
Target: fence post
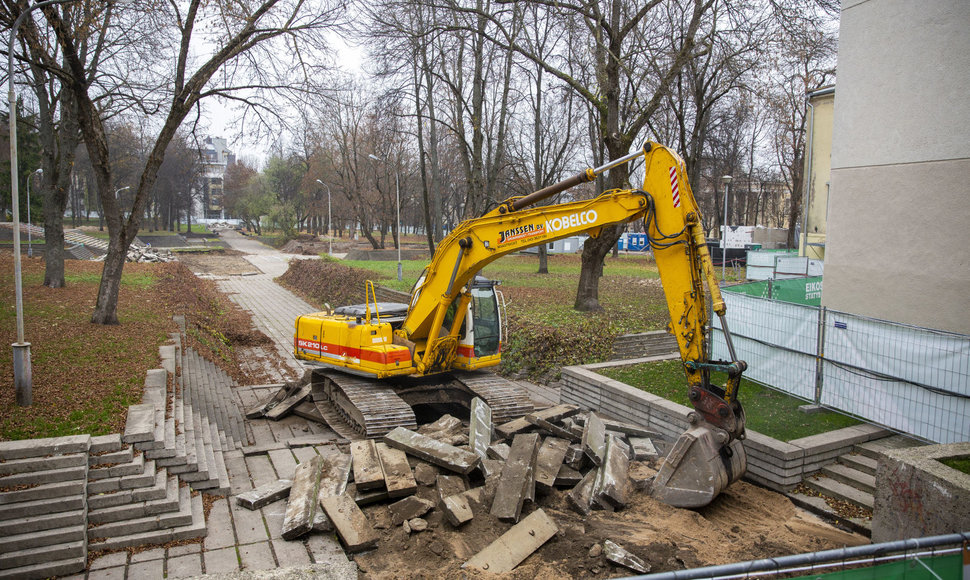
(819, 354)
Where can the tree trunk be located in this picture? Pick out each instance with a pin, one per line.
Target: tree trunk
(543, 259)
(106, 311)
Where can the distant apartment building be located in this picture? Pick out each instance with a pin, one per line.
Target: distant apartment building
(216, 156)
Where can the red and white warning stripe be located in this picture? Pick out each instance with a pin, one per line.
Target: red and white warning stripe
(673, 186)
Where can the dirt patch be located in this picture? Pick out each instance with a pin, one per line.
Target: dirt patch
(323, 282)
(745, 522)
(217, 263)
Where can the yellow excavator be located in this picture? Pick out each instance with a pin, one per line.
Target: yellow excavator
(380, 358)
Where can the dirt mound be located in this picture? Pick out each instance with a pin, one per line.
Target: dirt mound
(304, 247)
(324, 282)
(745, 522)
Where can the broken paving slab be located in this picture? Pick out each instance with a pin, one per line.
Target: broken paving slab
(409, 508)
(643, 448)
(265, 494)
(355, 531)
(614, 553)
(552, 429)
(594, 439)
(554, 413)
(300, 509)
(629, 429)
(432, 451)
(549, 461)
(363, 498)
(267, 403)
(581, 496)
(498, 451)
(457, 509)
(611, 489)
(515, 545)
(284, 407)
(517, 481)
(448, 485)
(368, 473)
(398, 478)
(568, 477)
(335, 472)
(480, 427)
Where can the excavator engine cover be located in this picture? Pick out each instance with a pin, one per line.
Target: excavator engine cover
(699, 466)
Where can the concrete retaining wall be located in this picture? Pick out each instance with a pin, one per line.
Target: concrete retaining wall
(918, 495)
(775, 464)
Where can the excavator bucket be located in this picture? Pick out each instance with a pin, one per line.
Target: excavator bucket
(699, 466)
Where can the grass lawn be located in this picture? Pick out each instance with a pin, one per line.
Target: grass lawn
(768, 411)
(85, 375)
(958, 463)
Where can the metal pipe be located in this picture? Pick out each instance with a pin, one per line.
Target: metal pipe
(810, 558)
(30, 247)
(330, 249)
(727, 187)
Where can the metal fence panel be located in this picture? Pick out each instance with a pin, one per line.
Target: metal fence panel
(778, 341)
(912, 379)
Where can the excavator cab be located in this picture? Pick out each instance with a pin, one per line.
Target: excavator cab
(481, 342)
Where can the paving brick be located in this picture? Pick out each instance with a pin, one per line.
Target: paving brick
(186, 566)
(290, 554)
(184, 549)
(148, 555)
(249, 525)
(108, 574)
(146, 571)
(110, 560)
(222, 561)
(258, 556)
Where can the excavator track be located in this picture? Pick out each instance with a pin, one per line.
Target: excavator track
(372, 408)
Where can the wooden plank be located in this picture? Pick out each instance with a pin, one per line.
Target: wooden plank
(352, 526)
(480, 427)
(515, 545)
(300, 508)
(549, 461)
(518, 478)
(265, 494)
(284, 407)
(398, 477)
(368, 473)
(594, 439)
(441, 454)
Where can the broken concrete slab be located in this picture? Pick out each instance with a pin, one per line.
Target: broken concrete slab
(368, 473)
(553, 429)
(457, 509)
(448, 485)
(643, 449)
(517, 481)
(428, 449)
(594, 439)
(549, 461)
(283, 408)
(575, 457)
(398, 478)
(480, 428)
(498, 451)
(490, 467)
(314, 440)
(568, 477)
(363, 498)
(425, 473)
(630, 429)
(335, 473)
(352, 526)
(302, 504)
(614, 553)
(552, 414)
(611, 489)
(267, 403)
(409, 508)
(265, 494)
(417, 525)
(581, 496)
(515, 545)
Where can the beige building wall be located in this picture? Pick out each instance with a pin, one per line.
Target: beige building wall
(818, 168)
(898, 239)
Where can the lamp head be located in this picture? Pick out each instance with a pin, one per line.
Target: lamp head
(375, 157)
(726, 179)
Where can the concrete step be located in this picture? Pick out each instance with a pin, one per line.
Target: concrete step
(25, 448)
(41, 507)
(194, 529)
(852, 477)
(860, 462)
(133, 467)
(140, 425)
(874, 449)
(125, 496)
(182, 517)
(139, 509)
(27, 540)
(109, 484)
(29, 556)
(78, 473)
(820, 507)
(838, 490)
(36, 523)
(46, 569)
(112, 457)
(36, 464)
(105, 444)
(44, 492)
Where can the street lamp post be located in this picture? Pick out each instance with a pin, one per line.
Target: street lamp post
(727, 187)
(22, 378)
(30, 247)
(397, 186)
(329, 236)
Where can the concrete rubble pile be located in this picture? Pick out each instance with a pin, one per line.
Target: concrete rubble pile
(145, 254)
(476, 471)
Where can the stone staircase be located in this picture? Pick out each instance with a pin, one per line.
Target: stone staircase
(61, 498)
(850, 479)
(655, 343)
